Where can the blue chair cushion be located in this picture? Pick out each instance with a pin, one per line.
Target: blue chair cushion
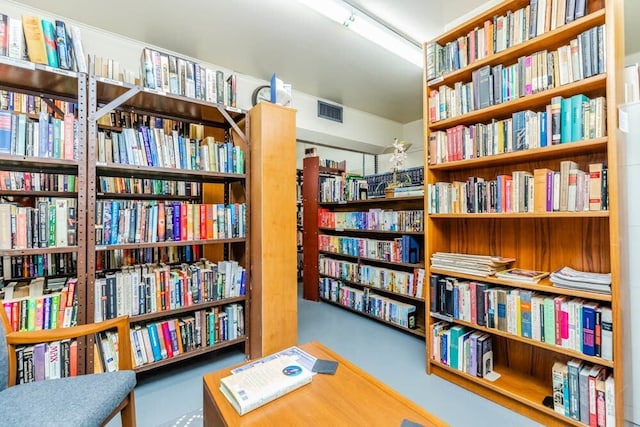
(86, 400)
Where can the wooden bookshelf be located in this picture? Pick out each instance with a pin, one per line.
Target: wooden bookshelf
(543, 241)
(375, 288)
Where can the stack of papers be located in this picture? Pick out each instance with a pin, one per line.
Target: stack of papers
(522, 275)
(478, 265)
(569, 278)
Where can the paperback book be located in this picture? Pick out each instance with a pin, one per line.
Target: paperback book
(264, 382)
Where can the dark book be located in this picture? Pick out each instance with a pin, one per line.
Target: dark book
(220, 87)
(483, 86)
(64, 47)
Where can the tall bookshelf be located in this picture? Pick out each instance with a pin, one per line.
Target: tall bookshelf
(540, 240)
(52, 86)
(311, 172)
(380, 284)
(227, 189)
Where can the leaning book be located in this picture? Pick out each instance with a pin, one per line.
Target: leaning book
(260, 384)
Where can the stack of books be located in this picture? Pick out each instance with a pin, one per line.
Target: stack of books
(522, 275)
(569, 278)
(478, 265)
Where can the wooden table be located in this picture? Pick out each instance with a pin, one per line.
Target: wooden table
(351, 397)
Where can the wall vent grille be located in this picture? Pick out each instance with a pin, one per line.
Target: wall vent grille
(329, 112)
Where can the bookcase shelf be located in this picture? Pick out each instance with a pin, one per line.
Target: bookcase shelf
(533, 154)
(167, 173)
(376, 201)
(33, 193)
(145, 196)
(38, 79)
(38, 251)
(417, 332)
(167, 243)
(592, 86)
(540, 240)
(550, 39)
(358, 231)
(193, 353)
(544, 285)
(557, 349)
(512, 385)
(374, 288)
(581, 214)
(372, 260)
(186, 309)
(38, 164)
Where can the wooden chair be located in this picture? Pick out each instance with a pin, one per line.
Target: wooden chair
(85, 400)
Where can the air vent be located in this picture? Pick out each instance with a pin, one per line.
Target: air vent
(329, 112)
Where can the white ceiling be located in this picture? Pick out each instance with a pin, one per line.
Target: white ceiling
(316, 55)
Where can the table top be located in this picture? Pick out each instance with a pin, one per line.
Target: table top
(350, 397)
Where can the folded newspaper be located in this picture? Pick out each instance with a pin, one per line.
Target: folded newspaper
(567, 277)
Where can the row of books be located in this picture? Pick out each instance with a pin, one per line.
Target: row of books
(378, 183)
(34, 105)
(153, 342)
(575, 324)
(584, 392)
(342, 188)
(37, 181)
(160, 187)
(366, 301)
(373, 219)
(43, 41)
(52, 223)
(117, 258)
(409, 283)
(29, 308)
(544, 190)
(152, 147)
(179, 76)
(462, 348)
(145, 289)
(399, 249)
(541, 71)
(500, 33)
(135, 120)
(46, 137)
(134, 221)
(333, 164)
(111, 69)
(46, 361)
(31, 266)
(564, 120)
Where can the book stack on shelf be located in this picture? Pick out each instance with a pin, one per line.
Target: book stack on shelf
(368, 261)
(521, 163)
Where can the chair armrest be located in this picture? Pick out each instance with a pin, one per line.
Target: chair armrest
(34, 337)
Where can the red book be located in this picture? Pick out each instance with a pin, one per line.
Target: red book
(209, 221)
(203, 221)
(73, 358)
(161, 223)
(166, 335)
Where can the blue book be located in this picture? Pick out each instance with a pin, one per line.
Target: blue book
(176, 222)
(49, 33)
(43, 134)
(153, 340)
(565, 120)
(115, 219)
(588, 328)
(577, 116)
(543, 129)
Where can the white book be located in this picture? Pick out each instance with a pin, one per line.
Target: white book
(263, 383)
(62, 211)
(536, 302)
(607, 333)
(53, 353)
(76, 42)
(16, 40)
(610, 401)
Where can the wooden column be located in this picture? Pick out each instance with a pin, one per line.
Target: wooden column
(274, 313)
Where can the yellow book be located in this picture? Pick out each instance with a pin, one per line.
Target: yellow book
(190, 221)
(34, 37)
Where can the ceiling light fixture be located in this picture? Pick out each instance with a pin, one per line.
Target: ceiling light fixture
(372, 29)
